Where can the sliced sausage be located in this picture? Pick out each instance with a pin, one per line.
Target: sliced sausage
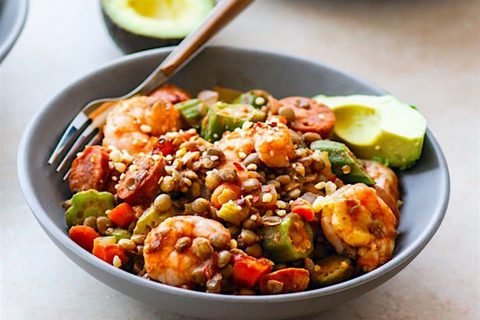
(90, 170)
(383, 176)
(286, 280)
(389, 201)
(310, 116)
(171, 94)
(140, 186)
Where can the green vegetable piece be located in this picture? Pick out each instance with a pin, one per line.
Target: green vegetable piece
(344, 163)
(255, 98)
(225, 117)
(109, 239)
(288, 241)
(378, 127)
(150, 219)
(118, 233)
(192, 112)
(333, 269)
(232, 213)
(87, 204)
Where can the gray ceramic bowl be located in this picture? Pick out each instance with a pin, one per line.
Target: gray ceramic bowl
(426, 186)
(13, 14)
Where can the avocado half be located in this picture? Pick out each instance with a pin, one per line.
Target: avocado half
(137, 25)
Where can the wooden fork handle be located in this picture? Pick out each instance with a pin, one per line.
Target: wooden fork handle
(219, 17)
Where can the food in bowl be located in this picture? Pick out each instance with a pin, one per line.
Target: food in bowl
(230, 192)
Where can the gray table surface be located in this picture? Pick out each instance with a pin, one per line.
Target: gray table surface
(425, 52)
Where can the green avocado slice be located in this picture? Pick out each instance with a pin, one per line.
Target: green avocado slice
(378, 127)
(143, 24)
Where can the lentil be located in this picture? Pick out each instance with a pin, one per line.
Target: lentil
(284, 179)
(212, 180)
(103, 223)
(90, 222)
(163, 202)
(167, 184)
(251, 185)
(138, 238)
(227, 271)
(255, 250)
(219, 241)
(249, 224)
(183, 244)
(248, 236)
(214, 284)
(228, 175)
(252, 158)
(311, 136)
(223, 258)
(200, 205)
(203, 248)
(287, 113)
(234, 231)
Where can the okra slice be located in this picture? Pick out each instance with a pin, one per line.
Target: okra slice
(225, 117)
(90, 203)
(255, 98)
(288, 241)
(150, 219)
(192, 111)
(333, 269)
(344, 163)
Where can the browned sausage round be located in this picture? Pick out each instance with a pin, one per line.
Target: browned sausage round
(285, 281)
(310, 116)
(141, 186)
(171, 94)
(90, 170)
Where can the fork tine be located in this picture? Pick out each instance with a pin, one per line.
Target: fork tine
(78, 124)
(81, 141)
(95, 140)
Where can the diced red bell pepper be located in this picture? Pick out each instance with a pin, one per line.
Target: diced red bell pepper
(248, 270)
(83, 236)
(106, 251)
(122, 215)
(303, 208)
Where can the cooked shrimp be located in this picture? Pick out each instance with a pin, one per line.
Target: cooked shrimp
(133, 121)
(359, 224)
(384, 177)
(271, 141)
(181, 250)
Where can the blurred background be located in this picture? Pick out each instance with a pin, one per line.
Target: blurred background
(425, 52)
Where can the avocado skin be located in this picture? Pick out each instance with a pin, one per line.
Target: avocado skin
(130, 42)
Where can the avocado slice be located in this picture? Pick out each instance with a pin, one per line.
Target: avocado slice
(344, 163)
(137, 25)
(380, 128)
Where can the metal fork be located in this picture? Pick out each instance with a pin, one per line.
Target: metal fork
(86, 128)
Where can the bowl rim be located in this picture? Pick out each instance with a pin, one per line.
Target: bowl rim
(55, 233)
(16, 30)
